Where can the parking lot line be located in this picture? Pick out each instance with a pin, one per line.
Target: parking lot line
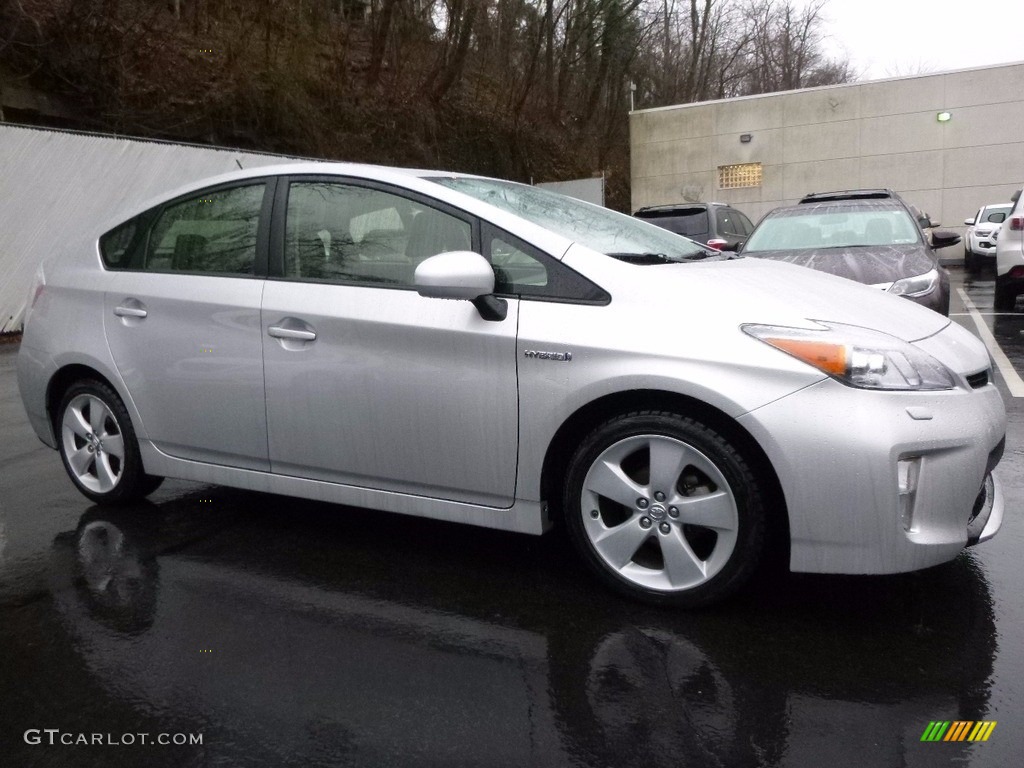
(1009, 373)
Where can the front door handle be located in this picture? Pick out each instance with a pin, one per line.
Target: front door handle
(297, 334)
(130, 312)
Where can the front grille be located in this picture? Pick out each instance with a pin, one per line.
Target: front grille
(979, 379)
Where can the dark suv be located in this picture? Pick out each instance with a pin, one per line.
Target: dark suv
(872, 236)
(717, 225)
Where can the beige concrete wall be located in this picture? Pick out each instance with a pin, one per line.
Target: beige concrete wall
(876, 134)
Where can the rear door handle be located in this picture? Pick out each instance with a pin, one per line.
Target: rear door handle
(298, 334)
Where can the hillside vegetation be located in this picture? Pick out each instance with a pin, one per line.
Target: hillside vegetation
(523, 89)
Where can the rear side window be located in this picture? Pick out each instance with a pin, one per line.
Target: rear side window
(212, 233)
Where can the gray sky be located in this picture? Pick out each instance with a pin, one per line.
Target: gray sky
(893, 38)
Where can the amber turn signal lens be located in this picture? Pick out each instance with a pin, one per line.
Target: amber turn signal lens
(830, 358)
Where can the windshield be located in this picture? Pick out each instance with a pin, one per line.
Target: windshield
(832, 227)
(595, 227)
(995, 214)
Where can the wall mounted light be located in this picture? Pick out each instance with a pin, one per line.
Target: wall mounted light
(944, 117)
(746, 138)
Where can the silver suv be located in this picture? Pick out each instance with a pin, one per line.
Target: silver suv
(479, 351)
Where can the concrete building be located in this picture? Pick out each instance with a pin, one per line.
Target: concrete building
(949, 142)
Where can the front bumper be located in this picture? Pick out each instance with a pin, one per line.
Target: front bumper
(987, 516)
(983, 246)
(841, 454)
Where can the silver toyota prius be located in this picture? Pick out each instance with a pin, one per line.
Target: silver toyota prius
(485, 352)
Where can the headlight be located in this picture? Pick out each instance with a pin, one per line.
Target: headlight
(858, 357)
(918, 285)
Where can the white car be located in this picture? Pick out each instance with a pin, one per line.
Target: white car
(1010, 258)
(485, 352)
(981, 234)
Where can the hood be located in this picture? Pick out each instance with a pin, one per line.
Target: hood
(865, 264)
(699, 295)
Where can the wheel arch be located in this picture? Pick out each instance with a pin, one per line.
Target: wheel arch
(62, 380)
(586, 418)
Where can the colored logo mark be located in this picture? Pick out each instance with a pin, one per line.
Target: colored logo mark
(958, 730)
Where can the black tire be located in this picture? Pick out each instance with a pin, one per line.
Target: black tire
(1005, 298)
(658, 553)
(90, 454)
(971, 263)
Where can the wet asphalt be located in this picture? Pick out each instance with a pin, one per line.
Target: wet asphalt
(281, 632)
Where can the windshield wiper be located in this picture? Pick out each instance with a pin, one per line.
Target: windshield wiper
(661, 258)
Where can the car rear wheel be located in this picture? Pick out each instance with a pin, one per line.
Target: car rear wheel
(665, 509)
(98, 445)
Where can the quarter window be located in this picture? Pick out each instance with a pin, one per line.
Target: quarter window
(213, 233)
(525, 271)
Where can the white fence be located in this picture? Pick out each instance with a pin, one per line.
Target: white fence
(55, 182)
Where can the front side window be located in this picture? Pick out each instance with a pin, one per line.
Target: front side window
(213, 233)
(347, 233)
(729, 224)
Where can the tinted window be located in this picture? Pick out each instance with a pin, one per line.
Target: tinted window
(349, 233)
(729, 224)
(692, 222)
(213, 233)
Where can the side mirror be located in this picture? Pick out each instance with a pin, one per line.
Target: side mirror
(969, 222)
(943, 238)
(454, 275)
(733, 246)
(461, 275)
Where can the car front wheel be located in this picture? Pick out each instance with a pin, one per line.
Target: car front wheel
(98, 445)
(665, 509)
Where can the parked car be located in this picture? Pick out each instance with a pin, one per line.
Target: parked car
(715, 224)
(1010, 258)
(982, 232)
(871, 236)
(485, 352)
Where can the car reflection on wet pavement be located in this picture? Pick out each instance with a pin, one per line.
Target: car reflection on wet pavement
(288, 632)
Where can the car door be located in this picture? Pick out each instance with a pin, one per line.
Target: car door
(368, 383)
(182, 320)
